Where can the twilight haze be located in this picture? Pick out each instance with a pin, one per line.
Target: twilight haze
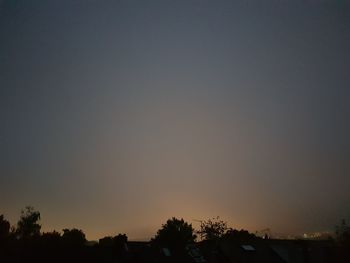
(116, 115)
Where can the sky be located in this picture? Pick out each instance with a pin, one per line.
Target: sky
(117, 115)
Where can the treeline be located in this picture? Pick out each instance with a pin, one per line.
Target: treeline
(26, 241)
(28, 230)
(175, 233)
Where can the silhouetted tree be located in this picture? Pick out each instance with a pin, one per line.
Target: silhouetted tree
(120, 242)
(212, 229)
(28, 225)
(239, 235)
(175, 234)
(120, 238)
(73, 237)
(51, 238)
(116, 244)
(106, 241)
(4, 228)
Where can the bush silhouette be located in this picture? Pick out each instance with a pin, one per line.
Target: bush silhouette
(51, 239)
(212, 229)
(239, 235)
(4, 228)
(73, 237)
(28, 226)
(175, 234)
(106, 241)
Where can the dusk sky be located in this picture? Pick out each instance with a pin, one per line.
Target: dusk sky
(117, 115)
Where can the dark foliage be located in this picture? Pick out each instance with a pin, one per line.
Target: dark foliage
(239, 235)
(73, 237)
(106, 241)
(51, 239)
(28, 225)
(25, 244)
(4, 228)
(175, 234)
(118, 241)
(212, 229)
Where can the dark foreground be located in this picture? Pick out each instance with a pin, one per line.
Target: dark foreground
(273, 251)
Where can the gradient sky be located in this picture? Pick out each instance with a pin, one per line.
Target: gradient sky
(116, 115)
